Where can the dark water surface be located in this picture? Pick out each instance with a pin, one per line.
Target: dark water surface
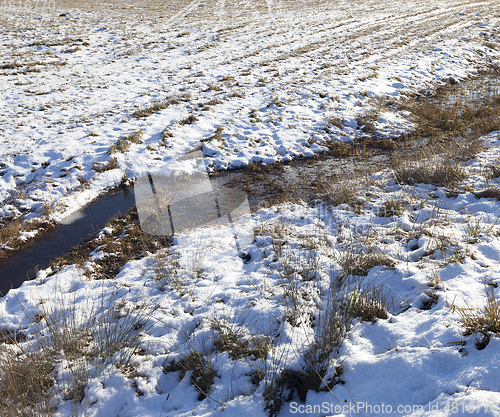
(38, 253)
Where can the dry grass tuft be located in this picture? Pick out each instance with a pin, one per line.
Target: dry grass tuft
(483, 321)
(391, 208)
(26, 383)
(369, 303)
(446, 173)
(367, 119)
(9, 231)
(105, 166)
(358, 262)
(153, 108)
(436, 164)
(159, 105)
(188, 120)
(238, 346)
(124, 143)
(202, 373)
(335, 121)
(32, 381)
(237, 94)
(345, 192)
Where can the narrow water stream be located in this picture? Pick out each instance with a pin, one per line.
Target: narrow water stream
(297, 180)
(38, 253)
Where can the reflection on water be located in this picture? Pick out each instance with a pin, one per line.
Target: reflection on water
(40, 251)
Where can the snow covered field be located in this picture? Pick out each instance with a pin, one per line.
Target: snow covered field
(92, 98)
(71, 84)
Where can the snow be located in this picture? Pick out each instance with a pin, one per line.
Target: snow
(297, 70)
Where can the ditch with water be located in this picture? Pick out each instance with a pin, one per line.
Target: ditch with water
(299, 180)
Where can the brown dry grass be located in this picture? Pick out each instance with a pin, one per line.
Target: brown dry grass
(441, 172)
(202, 373)
(127, 242)
(26, 382)
(124, 142)
(456, 111)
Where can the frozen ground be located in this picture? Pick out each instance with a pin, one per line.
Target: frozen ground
(245, 324)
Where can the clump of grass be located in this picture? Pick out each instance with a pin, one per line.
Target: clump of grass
(84, 183)
(276, 101)
(216, 136)
(155, 107)
(391, 208)
(26, 383)
(333, 324)
(284, 387)
(340, 148)
(483, 321)
(359, 261)
(214, 101)
(238, 346)
(159, 105)
(214, 87)
(202, 372)
(11, 228)
(493, 172)
(237, 94)
(12, 65)
(441, 172)
(9, 231)
(103, 167)
(431, 300)
(345, 192)
(335, 121)
(464, 149)
(166, 134)
(254, 116)
(165, 272)
(188, 120)
(492, 45)
(369, 303)
(492, 192)
(79, 339)
(366, 120)
(124, 142)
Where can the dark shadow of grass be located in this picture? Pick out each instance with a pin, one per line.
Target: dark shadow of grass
(202, 373)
